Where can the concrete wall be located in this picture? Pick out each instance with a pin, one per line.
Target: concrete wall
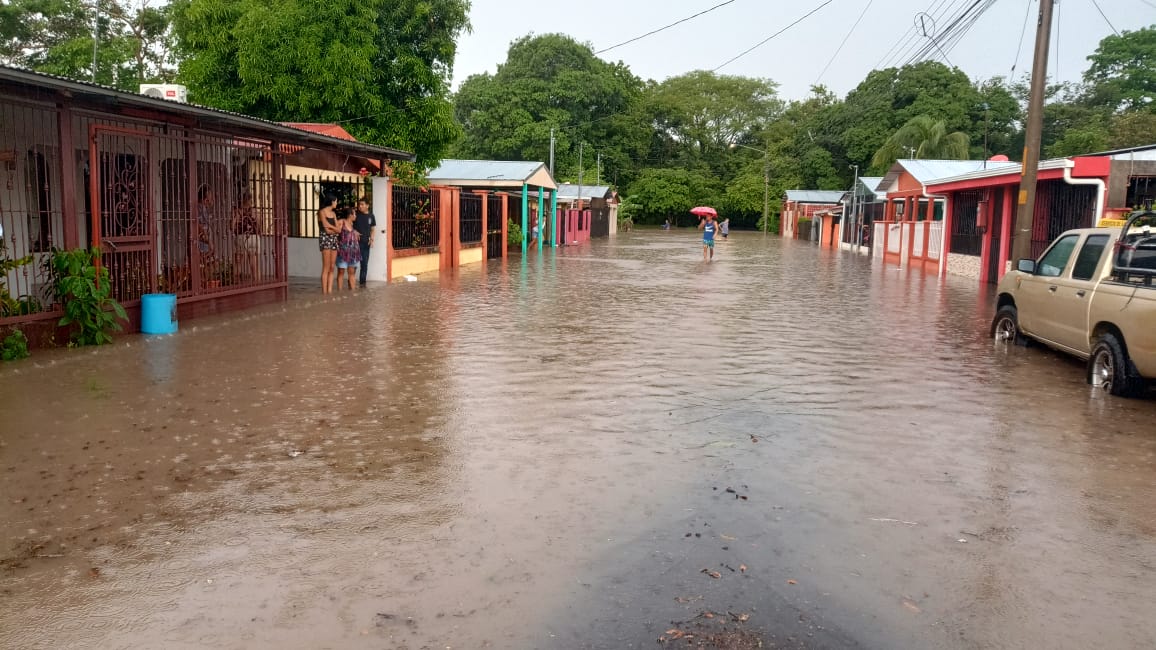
(378, 264)
(967, 266)
(470, 256)
(415, 264)
(1121, 172)
(304, 257)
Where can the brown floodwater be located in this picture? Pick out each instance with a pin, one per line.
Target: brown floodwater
(537, 455)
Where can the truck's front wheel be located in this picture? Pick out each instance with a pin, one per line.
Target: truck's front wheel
(1110, 370)
(1006, 326)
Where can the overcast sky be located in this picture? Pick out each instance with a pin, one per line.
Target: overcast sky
(796, 58)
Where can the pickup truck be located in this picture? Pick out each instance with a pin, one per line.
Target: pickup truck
(1092, 295)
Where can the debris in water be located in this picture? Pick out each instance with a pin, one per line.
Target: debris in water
(754, 438)
(295, 453)
(895, 521)
(743, 568)
(740, 618)
(411, 278)
(792, 582)
(909, 604)
(731, 491)
(714, 574)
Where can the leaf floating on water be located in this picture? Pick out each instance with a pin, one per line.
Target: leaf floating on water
(792, 582)
(714, 574)
(911, 606)
(743, 568)
(728, 538)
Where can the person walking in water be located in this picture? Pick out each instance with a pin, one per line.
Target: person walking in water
(709, 227)
(724, 228)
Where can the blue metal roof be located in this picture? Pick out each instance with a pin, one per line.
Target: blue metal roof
(569, 191)
(485, 170)
(815, 196)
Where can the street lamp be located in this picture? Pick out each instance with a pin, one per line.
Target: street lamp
(766, 181)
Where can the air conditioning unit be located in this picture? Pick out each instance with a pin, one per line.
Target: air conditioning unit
(171, 92)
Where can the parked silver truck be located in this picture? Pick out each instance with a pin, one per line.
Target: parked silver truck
(1092, 295)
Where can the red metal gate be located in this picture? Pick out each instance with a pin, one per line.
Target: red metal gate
(121, 210)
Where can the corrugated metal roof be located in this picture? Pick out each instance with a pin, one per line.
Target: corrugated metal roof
(215, 116)
(484, 170)
(871, 183)
(331, 130)
(815, 196)
(569, 191)
(926, 171)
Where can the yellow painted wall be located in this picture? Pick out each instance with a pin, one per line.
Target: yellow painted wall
(470, 256)
(415, 265)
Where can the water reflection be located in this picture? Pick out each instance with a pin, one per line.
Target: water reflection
(412, 464)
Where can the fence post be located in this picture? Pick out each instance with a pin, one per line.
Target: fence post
(505, 224)
(456, 229)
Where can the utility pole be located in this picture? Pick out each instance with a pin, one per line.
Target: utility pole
(766, 190)
(1022, 237)
(986, 112)
(551, 151)
(598, 173)
(854, 220)
(95, 36)
(911, 152)
(581, 170)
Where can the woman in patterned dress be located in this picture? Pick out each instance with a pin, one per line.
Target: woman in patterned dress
(327, 242)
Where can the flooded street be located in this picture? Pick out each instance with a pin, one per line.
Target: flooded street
(564, 452)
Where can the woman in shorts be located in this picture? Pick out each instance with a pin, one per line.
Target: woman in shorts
(327, 242)
(348, 249)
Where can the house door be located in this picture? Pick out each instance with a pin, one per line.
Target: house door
(122, 215)
(494, 220)
(995, 227)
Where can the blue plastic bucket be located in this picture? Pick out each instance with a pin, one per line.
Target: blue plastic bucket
(158, 313)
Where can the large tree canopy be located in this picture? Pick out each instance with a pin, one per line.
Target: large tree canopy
(133, 40)
(554, 82)
(380, 67)
(1122, 75)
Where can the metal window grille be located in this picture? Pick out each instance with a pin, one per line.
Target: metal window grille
(416, 219)
(965, 236)
(1060, 207)
(304, 197)
(471, 218)
(494, 221)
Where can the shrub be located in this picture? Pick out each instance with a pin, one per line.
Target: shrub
(86, 295)
(14, 346)
(514, 235)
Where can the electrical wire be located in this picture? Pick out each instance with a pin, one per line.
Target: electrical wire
(1149, 3)
(662, 29)
(767, 39)
(1020, 47)
(948, 38)
(933, 40)
(1105, 16)
(845, 38)
(912, 36)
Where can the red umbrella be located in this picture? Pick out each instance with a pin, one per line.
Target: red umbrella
(704, 211)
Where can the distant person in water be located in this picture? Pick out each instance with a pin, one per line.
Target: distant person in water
(709, 227)
(724, 228)
(666, 225)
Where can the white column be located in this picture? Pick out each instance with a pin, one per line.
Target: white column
(377, 262)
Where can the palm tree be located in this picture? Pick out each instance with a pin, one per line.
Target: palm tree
(927, 137)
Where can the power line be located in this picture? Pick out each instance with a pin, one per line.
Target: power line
(1105, 16)
(765, 40)
(1019, 48)
(911, 37)
(1150, 4)
(662, 29)
(845, 38)
(953, 33)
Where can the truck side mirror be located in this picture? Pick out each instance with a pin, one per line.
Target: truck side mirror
(1026, 266)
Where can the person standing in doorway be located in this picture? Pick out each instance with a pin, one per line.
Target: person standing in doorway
(364, 224)
(709, 227)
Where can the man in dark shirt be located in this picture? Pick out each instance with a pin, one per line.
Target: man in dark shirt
(364, 224)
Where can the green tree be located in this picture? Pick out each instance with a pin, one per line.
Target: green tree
(696, 117)
(380, 67)
(922, 137)
(134, 40)
(1122, 74)
(670, 193)
(554, 82)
